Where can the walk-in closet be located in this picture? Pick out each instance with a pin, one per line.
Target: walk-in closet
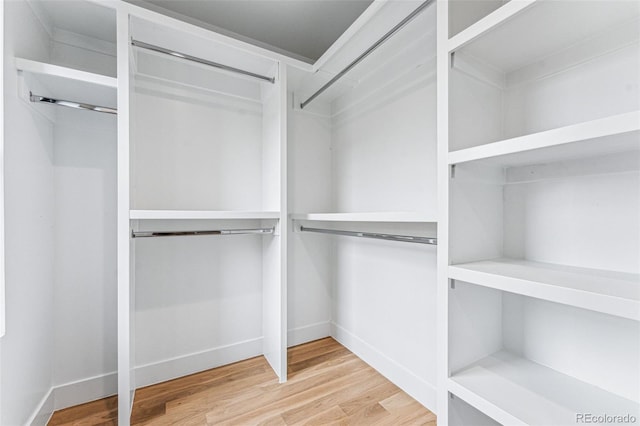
(436, 218)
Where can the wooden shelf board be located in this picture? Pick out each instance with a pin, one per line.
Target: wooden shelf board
(618, 133)
(407, 217)
(613, 293)
(201, 214)
(516, 391)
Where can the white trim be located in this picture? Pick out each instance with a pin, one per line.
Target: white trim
(183, 365)
(308, 333)
(85, 390)
(44, 410)
(405, 379)
(346, 36)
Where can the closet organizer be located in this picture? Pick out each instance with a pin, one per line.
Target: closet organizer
(206, 155)
(539, 136)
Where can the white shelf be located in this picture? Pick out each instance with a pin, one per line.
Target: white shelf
(68, 83)
(201, 214)
(618, 133)
(511, 37)
(406, 217)
(497, 17)
(612, 293)
(516, 391)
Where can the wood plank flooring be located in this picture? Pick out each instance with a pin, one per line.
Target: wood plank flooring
(327, 384)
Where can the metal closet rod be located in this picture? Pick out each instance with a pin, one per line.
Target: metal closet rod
(390, 237)
(367, 52)
(147, 234)
(181, 55)
(71, 104)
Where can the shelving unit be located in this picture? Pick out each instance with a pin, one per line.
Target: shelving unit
(207, 152)
(538, 241)
(515, 391)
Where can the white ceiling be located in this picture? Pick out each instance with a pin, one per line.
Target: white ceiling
(303, 29)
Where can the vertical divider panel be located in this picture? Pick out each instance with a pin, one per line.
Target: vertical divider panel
(275, 248)
(442, 70)
(2, 300)
(126, 382)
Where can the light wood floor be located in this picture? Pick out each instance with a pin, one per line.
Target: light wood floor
(327, 384)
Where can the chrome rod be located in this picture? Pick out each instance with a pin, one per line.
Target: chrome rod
(367, 52)
(390, 237)
(180, 55)
(147, 234)
(71, 104)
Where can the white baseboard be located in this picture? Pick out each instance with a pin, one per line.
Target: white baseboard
(184, 365)
(43, 411)
(82, 391)
(423, 392)
(308, 333)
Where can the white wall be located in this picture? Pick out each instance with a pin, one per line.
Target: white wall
(196, 295)
(212, 160)
(29, 234)
(310, 180)
(84, 251)
(384, 157)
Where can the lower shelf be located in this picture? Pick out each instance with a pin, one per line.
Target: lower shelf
(516, 391)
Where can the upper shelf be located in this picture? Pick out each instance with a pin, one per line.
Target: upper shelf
(387, 217)
(523, 32)
(67, 83)
(201, 214)
(612, 293)
(619, 133)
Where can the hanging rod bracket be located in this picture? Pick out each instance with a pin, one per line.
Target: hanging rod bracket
(175, 54)
(367, 52)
